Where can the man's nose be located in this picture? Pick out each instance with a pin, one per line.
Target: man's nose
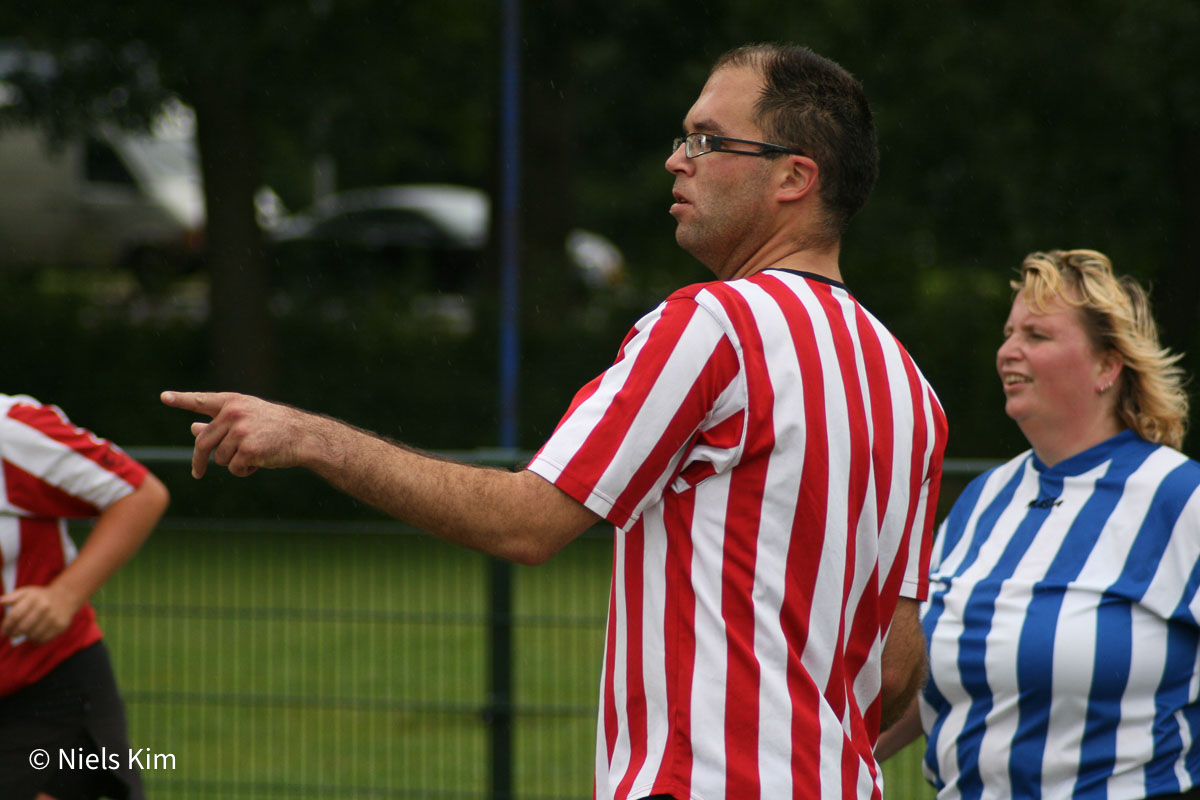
(678, 161)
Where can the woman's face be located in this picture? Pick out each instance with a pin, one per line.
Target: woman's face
(1051, 371)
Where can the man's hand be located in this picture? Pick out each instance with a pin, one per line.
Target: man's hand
(37, 612)
(245, 432)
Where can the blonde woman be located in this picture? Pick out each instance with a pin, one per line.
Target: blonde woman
(1062, 617)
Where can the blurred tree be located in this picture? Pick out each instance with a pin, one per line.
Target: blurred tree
(1007, 128)
(207, 59)
(1004, 127)
(264, 78)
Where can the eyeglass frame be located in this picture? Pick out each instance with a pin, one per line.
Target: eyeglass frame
(718, 142)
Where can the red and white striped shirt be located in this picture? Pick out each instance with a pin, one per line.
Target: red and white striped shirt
(770, 456)
(50, 470)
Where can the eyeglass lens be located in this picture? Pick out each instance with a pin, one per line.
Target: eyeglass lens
(697, 144)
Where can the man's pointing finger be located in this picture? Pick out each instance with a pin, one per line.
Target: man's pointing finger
(209, 403)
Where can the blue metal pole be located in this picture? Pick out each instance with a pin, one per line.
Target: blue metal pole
(509, 229)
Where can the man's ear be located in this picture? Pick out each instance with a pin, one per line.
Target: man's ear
(798, 177)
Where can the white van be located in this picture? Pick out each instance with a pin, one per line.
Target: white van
(109, 199)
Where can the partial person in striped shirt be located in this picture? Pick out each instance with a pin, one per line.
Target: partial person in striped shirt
(1062, 619)
(57, 691)
(768, 452)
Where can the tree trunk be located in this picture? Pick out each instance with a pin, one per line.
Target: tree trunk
(240, 336)
(549, 133)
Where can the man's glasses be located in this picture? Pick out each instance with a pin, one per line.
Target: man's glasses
(697, 144)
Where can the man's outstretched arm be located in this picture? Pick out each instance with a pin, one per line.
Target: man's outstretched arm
(514, 515)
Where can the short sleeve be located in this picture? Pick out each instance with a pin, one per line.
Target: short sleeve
(53, 468)
(674, 400)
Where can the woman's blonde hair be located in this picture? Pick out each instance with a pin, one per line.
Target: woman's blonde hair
(1151, 399)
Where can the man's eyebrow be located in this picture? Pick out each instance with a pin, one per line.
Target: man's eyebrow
(702, 126)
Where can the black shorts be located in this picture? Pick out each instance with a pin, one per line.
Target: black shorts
(74, 710)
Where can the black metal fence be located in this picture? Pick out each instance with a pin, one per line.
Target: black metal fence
(289, 658)
(313, 660)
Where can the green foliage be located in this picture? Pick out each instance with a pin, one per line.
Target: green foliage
(1004, 128)
(104, 367)
(86, 84)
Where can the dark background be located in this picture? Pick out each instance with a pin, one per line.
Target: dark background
(1004, 128)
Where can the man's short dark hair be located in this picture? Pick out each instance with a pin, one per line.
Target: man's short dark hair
(812, 104)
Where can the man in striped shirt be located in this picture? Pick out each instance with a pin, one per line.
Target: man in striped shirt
(769, 455)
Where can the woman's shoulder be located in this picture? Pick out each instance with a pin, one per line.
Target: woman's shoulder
(1164, 455)
(1171, 475)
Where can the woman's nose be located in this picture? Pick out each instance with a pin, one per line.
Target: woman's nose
(1007, 351)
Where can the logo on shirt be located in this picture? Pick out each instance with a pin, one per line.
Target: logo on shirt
(1045, 502)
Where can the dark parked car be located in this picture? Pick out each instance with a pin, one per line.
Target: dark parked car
(420, 243)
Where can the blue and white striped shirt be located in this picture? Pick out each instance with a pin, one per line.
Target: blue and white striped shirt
(1062, 629)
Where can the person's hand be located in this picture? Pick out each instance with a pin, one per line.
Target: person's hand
(37, 612)
(245, 432)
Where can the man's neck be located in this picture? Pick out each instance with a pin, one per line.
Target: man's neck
(823, 262)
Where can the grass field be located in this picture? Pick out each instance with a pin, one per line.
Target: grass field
(330, 664)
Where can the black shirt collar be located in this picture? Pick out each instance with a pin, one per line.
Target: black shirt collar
(812, 276)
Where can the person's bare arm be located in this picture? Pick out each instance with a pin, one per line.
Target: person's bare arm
(43, 612)
(514, 515)
(903, 661)
(901, 733)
